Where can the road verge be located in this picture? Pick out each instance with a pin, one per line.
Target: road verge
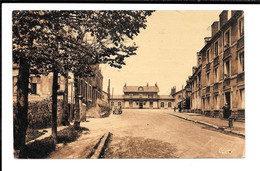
(226, 130)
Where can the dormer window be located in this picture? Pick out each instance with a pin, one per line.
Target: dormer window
(140, 89)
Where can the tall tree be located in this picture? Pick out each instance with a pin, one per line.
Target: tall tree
(58, 42)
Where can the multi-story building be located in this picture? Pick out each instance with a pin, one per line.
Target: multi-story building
(142, 97)
(90, 89)
(218, 78)
(195, 82)
(182, 97)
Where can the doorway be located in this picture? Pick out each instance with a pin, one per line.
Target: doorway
(227, 113)
(140, 105)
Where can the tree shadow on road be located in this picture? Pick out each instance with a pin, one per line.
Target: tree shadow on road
(42, 148)
(138, 147)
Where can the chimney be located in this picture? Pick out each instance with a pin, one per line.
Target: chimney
(233, 12)
(223, 17)
(198, 58)
(207, 39)
(194, 69)
(214, 28)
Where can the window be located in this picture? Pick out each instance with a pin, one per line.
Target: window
(162, 104)
(207, 56)
(216, 49)
(241, 62)
(151, 104)
(227, 69)
(216, 79)
(169, 104)
(86, 91)
(241, 27)
(90, 92)
(242, 98)
(112, 103)
(34, 88)
(208, 79)
(208, 103)
(216, 103)
(131, 103)
(227, 39)
(203, 102)
(119, 103)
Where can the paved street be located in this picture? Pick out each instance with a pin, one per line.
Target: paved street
(144, 133)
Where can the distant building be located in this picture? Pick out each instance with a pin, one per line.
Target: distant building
(142, 97)
(218, 79)
(182, 97)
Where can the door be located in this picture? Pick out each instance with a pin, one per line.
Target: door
(227, 98)
(140, 105)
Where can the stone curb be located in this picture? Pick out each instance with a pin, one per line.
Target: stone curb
(208, 124)
(100, 146)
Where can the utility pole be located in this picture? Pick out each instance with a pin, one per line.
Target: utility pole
(182, 97)
(108, 92)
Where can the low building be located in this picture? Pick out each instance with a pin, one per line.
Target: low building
(142, 97)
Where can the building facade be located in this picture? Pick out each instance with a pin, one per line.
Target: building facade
(218, 79)
(90, 89)
(142, 97)
(182, 97)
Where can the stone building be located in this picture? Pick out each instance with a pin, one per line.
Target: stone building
(90, 89)
(182, 97)
(218, 79)
(142, 97)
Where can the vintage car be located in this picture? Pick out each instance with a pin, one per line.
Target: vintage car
(117, 110)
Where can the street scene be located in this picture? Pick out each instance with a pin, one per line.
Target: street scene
(128, 84)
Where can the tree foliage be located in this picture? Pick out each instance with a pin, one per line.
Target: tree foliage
(70, 41)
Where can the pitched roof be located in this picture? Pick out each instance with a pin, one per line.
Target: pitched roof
(117, 97)
(140, 89)
(165, 97)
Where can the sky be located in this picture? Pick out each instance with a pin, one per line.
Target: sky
(167, 51)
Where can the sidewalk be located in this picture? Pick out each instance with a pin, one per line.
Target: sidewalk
(47, 133)
(217, 123)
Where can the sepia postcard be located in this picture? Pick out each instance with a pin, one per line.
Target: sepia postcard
(128, 83)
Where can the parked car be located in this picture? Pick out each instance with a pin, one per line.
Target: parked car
(117, 110)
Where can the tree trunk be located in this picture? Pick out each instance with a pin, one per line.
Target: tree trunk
(54, 105)
(77, 110)
(20, 116)
(65, 100)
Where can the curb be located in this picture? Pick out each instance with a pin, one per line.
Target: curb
(208, 124)
(99, 147)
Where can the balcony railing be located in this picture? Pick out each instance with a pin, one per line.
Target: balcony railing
(240, 77)
(226, 82)
(216, 60)
(226, 53)
(240, 43)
